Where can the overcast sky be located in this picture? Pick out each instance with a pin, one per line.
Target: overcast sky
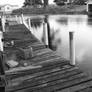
(15, 2)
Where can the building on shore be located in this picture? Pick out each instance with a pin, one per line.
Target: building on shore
(89, 7)
(7, 8)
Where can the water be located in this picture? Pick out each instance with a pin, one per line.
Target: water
(60, 26)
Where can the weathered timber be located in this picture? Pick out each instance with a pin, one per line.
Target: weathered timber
(86, 89)
(46, 71)
(81, 86)
(13, 74)
(39, 80)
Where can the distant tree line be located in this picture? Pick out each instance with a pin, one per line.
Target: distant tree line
(60, 2)
(74, 2)
(35, 3)
(45, 3)
(80, 2)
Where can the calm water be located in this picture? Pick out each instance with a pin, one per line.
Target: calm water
(60, 25)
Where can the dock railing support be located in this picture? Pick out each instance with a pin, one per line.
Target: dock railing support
(72, 48)
(1, 42)
(3, 22)
(1, 32)
(16, 18)
(2, 75)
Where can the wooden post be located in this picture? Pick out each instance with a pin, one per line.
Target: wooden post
(49, 35)
(2, 75)
(1, 32)
(72, 48)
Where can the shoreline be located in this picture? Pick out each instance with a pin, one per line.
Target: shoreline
(52, 10)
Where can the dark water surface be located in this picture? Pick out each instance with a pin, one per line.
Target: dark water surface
(60, 25)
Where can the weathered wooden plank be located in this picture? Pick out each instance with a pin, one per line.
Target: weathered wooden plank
(62, 84)
(76, 81)
(34, 60)
(87, 89)
(42, 52)
(82, 87)
(45, 74)
(45, 69)
(45, 79)
(52, 86)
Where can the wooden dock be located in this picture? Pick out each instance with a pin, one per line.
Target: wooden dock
(46, 71)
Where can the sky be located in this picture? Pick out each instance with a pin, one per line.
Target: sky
(16, 2)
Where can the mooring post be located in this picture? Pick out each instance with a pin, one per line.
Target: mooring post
(2, 75)
(22, 18)
(3, 22)
(72, 48)
(16, 18)
(29, 23)
(1, 32)
(1, 42)
(45, 34)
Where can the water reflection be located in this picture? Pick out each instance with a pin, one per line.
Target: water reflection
(59, 27)
(36, 22)
(89, 21)
(63, 21)
(54, 40)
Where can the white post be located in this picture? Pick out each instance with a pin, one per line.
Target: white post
(45, 34)
(72, 48)
(16, 18)
(3, 23)
(1, 42)
(22, 18)
(29, 24)
(87, 6)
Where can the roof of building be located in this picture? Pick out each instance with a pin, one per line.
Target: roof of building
(9, 5)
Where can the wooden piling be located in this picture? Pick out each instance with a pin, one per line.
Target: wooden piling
(46, 32)
(2, 75)
(72, 48)
(49, 36)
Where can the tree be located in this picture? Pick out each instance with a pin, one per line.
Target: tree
(28, 2)
(46, 2)
(32, 2)
(60, 2)
(80, 2)
(38, 2)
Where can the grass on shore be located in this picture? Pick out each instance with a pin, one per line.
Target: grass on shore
(53, 9)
